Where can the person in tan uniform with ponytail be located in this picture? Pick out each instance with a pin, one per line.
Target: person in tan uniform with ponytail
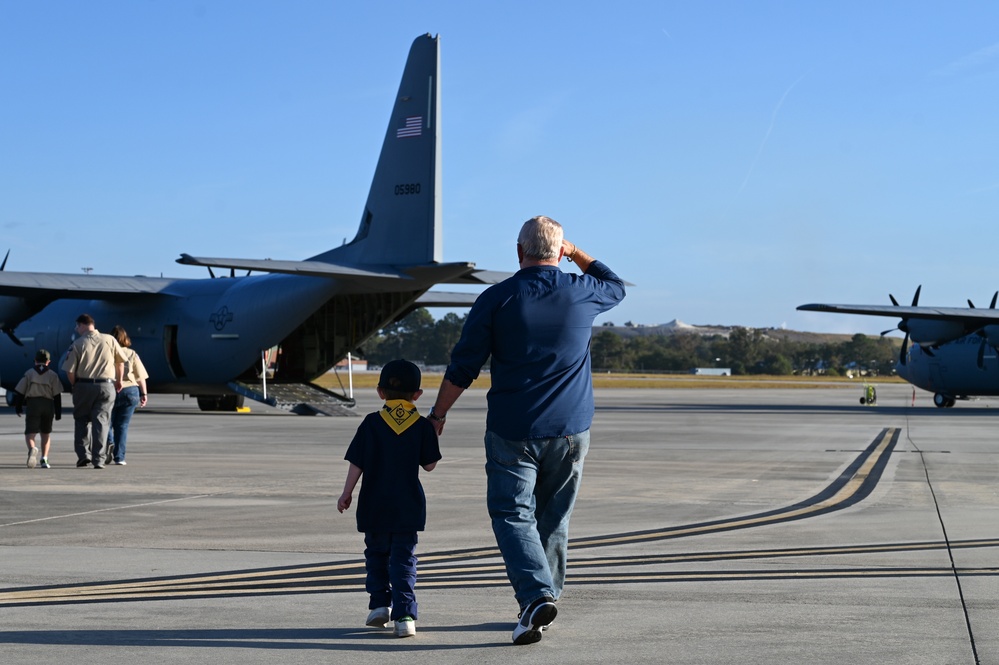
(131, 395)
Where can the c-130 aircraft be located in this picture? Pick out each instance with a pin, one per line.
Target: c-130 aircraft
(205, 337)
(953, 354)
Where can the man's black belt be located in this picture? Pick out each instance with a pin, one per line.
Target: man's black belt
(95, 380)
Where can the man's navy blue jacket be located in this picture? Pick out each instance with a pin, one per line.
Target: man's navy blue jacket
(535, 327)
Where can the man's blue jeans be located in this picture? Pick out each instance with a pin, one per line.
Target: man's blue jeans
(531, 490)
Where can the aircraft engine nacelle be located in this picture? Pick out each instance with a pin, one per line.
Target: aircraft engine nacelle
(992, 334)
(13, 310)
(931, 332)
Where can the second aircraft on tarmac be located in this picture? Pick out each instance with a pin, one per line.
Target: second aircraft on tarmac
(953, 351)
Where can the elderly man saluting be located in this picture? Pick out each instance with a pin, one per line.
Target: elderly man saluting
(535, 328)
(95, 365)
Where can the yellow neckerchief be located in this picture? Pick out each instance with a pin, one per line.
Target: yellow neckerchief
(400, 414)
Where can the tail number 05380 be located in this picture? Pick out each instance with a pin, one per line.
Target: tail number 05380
(407, 189)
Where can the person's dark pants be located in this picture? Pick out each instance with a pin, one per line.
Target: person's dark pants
(390, 559)
(92, 404)
(40, 412)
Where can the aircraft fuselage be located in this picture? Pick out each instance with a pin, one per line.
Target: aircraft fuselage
(952, 369)
(196, 332)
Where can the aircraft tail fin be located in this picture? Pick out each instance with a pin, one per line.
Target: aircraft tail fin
(401, 223)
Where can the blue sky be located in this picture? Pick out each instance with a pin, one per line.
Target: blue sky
(731, 159)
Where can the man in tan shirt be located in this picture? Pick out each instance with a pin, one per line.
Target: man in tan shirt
(94, 365)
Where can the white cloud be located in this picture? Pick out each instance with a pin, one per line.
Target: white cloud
(973, 61)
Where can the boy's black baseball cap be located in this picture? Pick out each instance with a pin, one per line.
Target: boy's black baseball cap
(400, 375)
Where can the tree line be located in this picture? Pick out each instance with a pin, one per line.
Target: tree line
(420, 338)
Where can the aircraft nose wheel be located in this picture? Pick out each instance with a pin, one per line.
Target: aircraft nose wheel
(943, 401)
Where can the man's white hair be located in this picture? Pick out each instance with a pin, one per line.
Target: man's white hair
(540, 238)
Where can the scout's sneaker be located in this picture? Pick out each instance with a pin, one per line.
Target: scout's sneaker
(32, 457)
(405, 627)
(378, 617)
(45, 463)
(534, 620)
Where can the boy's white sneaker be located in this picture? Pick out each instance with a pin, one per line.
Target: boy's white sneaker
(32, 457)
(405, 627)
(378, 617)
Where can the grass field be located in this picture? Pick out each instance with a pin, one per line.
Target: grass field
(667, 381)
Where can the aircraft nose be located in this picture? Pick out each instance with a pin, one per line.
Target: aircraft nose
(902, 370)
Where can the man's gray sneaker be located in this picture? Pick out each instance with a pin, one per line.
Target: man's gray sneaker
(533, 621)
(32, 457)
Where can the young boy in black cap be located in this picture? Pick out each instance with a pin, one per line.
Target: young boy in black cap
(389, 448)
(39, 392)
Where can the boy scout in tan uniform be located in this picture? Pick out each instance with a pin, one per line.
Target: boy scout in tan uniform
(40, 392)
(94, 364)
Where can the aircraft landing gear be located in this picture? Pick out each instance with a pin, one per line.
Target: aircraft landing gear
(219, 402)
(943, 401)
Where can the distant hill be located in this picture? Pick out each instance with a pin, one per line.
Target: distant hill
(678, 327)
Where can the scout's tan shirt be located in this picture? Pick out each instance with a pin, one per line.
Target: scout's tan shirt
(93, 356)
(33, 384)
(135, 371)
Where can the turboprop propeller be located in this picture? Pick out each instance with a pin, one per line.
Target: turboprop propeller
(903, 325)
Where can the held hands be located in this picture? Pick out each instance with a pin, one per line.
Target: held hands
(436, 420)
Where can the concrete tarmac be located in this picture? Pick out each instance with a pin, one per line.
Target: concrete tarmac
(713, 526)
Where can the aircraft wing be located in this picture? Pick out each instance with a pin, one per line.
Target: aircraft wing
(967, 315)
(24, 294)
(311, 268)
(481, 277)
(446, 299)
(444, 273)
(51, 286)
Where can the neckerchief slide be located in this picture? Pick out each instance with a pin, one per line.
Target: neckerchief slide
(400, 414)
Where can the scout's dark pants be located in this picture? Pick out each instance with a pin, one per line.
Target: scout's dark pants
(390, 559)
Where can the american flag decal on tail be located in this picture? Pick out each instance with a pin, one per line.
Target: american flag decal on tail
(413, 127)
